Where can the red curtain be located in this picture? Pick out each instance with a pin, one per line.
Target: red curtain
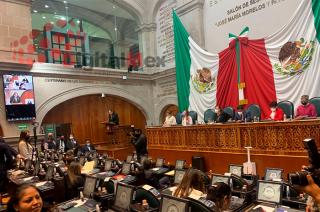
(256, 72)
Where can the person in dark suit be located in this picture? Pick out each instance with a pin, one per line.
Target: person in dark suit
(113, 117)
(74, 179)
(222, 117)
(139, 140)
(88, 147)
(6, 162)
(242, 115)
(61, 144)
(72, 144)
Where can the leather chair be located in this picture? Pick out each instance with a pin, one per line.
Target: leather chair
(179, 118)
(229, 110)
(209, 115)
(316, 102)
(287, 107)
(194, 116)
(197, 205)
(255, 111)
(142, 194)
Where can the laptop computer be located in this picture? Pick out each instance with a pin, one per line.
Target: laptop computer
(180, 164)
(178, 176)
(236, 169)
(273, 174)
(170, 203)
(123, 199)
(218, 178)
(269, 195)
(89, 186)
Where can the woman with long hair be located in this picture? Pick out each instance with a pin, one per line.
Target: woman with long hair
(24, 147)
(74, 179)
(26, 199)
(220, 194)
(192, 185)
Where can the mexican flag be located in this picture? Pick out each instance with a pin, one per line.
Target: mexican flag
(281, 66)
(196, 72)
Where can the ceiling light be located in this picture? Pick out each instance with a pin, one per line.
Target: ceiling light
(65, 2)
(114, 7)
(43, 17)
(35, 11)
(63, 18)
(115, 29)
(78, 21)
(67, 7)
(46, 6)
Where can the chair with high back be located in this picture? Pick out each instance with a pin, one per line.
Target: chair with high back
(150, 194)
(201, 205)
(255, 111)
(316, 102)
(287, 107)
(229, 110)
(194, 116)
(209, 116)
(179, 117)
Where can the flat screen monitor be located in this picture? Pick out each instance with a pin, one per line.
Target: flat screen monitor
(49, 173)
(178, 175)
(159, 162)
(108, 165)
(126, 168)
(123, 196)
(217, 178)
(89, 186)
(19, 97)
(273, 174)
(269, 192)
(235, 169)
(180, 164)
(129, 158)
(170, 203)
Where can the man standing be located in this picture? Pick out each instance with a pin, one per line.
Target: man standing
(88, 147)
(61, 144)
(72, 143)
(306, 109)
(139, 140)
(113, 117)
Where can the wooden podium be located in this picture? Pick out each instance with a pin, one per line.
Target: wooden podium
(117, 142)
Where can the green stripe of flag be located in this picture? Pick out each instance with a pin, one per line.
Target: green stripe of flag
(183, 62)
(316, 15)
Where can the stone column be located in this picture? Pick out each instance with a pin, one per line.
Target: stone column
(191, 15)
(147, 42)
(16, 43)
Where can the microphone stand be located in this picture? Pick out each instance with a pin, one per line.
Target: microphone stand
(35, 137)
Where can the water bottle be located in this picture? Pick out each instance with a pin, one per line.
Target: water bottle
(284, 117)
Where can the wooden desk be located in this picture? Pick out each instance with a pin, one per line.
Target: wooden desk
(275, 144)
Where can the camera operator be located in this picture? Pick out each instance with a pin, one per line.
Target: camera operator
(139, 140)
(312, 189)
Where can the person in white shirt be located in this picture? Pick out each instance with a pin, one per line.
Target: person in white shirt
(186, 120)
(170, 120)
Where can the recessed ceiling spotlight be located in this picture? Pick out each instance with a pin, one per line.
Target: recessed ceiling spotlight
(46, 6)
(35, 11)
(78, 21)
(43, 17)
(63, 18)
(115, 29)
(114, 7)
(65, 2)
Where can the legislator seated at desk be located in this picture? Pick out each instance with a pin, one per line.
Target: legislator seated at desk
(306, 109)
(170, 120)
(88, 147)
(275, 113)
(222, 117)
(242, 115)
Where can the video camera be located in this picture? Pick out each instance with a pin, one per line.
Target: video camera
(300, 178)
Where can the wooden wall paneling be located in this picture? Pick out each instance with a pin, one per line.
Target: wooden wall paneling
(87, 112)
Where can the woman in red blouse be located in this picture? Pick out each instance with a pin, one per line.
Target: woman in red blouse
(275, 112)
